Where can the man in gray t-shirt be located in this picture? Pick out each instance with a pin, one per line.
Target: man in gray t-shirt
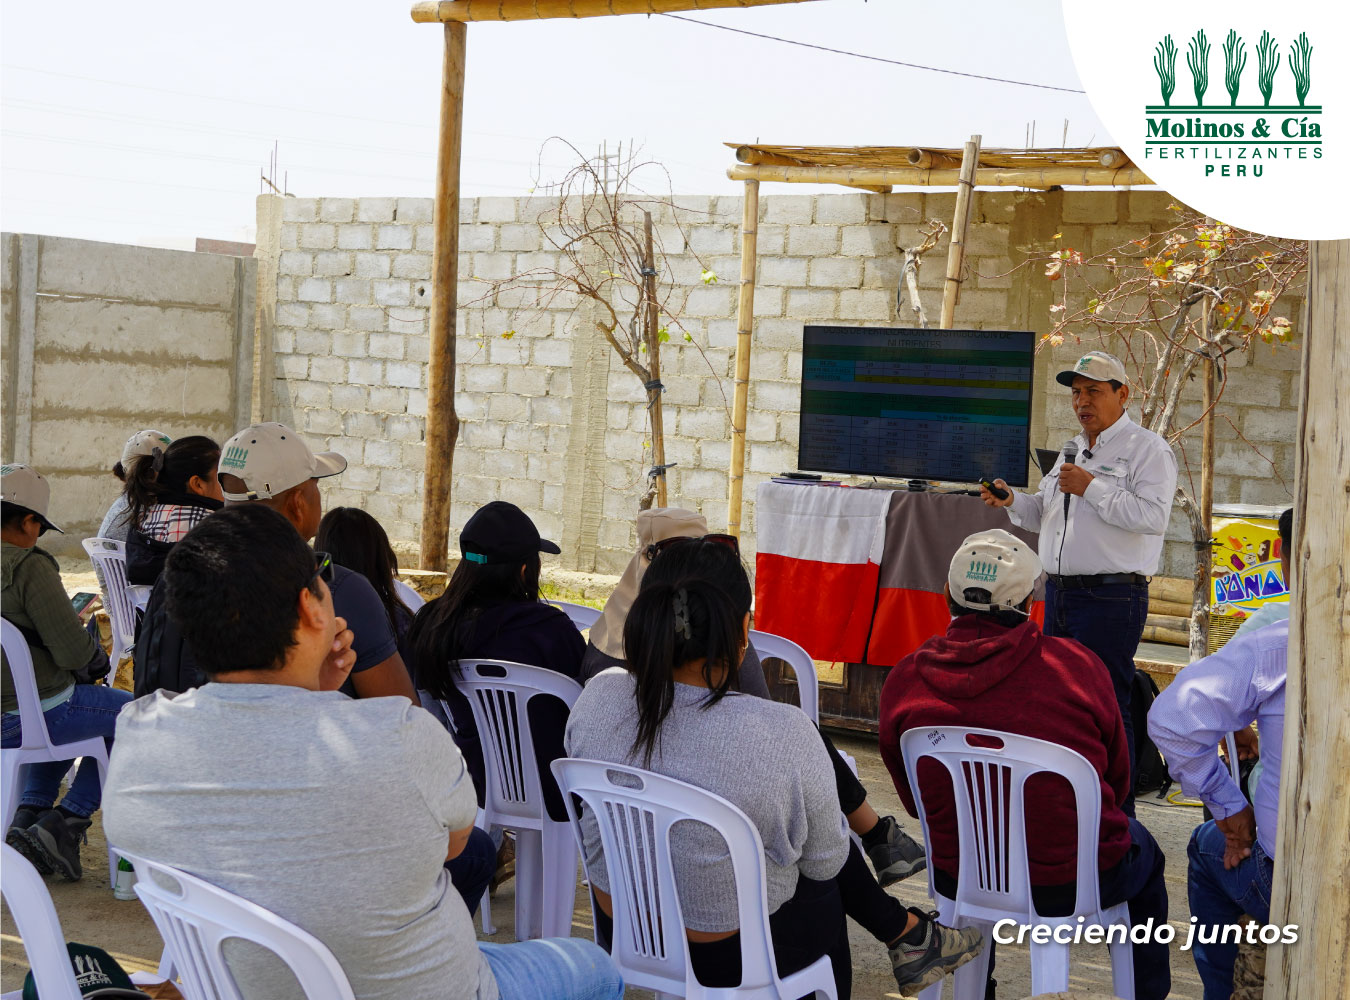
(335, 814)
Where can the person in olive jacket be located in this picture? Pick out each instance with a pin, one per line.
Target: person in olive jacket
(35, 602)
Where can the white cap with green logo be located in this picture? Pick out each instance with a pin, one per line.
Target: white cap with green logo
(1096, 365)
(144, 443)
(272, 458)
(997, 562)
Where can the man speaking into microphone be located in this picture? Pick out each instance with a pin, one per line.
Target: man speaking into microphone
(1101, 517)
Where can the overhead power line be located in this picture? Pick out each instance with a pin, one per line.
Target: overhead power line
(862, 55)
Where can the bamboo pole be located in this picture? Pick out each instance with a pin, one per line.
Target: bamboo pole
(956, 249)
(1038, 177)
(926, 159)
(442, 421)
(654, 363)
(745, 311)
(1199, 640)
(1312, 854)
(433, 11)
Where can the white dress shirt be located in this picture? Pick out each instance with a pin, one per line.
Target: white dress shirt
(1117, 525)
(1218, 695)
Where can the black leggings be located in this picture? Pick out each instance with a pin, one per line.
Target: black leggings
(806, 927)
(852, 794)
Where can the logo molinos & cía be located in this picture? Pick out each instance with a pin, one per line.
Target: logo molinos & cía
(1226, 138)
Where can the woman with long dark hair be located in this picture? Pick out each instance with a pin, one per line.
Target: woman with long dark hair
(168, 493)
(357, 541)
(677, 711)
(140, 445)
(491, 611)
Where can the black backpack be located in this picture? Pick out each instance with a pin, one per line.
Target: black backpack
(1150, 768)
(161, 658)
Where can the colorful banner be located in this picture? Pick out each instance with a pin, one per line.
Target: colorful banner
(1245, 573)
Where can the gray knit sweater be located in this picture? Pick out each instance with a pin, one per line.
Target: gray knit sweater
(765, 757)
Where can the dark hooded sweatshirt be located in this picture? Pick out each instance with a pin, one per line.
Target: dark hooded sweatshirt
(1018, 680)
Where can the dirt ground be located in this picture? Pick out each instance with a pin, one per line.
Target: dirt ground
(90, 914)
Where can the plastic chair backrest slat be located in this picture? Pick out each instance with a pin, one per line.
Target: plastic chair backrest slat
(582, 616)
(20, 661)
(988, 787)
(499, 693)
(109, 557)
(770, 646)
(635, 823)
(196, 918)
(38, 925)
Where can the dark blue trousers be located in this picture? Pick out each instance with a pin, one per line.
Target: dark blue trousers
(1109, 621)
(472, 869)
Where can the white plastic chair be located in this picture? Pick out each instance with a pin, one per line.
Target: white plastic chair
(1230, 745)
(139, 595)
(110, 561)
(196, 918)
(582, 616)
(770, 646)
(994, 882)
(546, 861)
(36, 746)
(649, 944)
(40, 930)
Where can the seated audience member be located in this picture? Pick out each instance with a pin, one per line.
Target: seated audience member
(893, 853)
(357, 541)
(115, 524)
(995, 669)
(676, 710)
(335, 814)
(491, 610)
(1232, 857)
(270, 464)
(168, 493)
(34, 600)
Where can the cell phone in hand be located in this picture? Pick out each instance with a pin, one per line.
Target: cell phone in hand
(81, 601)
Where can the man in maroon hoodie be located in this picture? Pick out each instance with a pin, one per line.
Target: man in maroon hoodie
(995, 669)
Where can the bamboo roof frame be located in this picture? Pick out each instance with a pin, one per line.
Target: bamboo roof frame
(445, 11)
(874, 167)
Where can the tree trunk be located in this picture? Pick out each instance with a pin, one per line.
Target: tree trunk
(651, 323)
(1311, 887)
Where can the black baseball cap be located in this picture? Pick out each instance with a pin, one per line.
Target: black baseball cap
(500, 532)
(97, 976)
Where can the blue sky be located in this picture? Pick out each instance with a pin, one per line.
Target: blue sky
(147, 122)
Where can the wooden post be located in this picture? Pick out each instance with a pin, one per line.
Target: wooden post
(745, 312)
(1313, 852)
(442, 421)
(653, 316)
(956, 250)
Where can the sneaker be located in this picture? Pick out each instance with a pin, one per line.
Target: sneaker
(57, 837)
(16, 838)
(897, 857)
(942, 950)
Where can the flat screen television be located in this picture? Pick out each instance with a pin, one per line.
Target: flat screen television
(951, 405)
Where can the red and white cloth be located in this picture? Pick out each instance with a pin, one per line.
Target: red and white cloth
(817, 565)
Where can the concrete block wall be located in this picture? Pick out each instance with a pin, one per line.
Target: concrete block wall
(350, 343)
(102, 340)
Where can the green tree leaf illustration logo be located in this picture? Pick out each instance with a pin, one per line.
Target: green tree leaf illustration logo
(1197, 60)
(1300, 62)
(1165, 65)
(1267, 62)
(1234, 62)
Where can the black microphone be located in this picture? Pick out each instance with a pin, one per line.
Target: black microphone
(1070, 457)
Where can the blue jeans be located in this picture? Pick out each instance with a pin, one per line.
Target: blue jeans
(1109, 621)
(1218, 897)
(90, 711)
(553, 969)
(472, 869)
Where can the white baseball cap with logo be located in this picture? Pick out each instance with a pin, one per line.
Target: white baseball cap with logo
(144, 443)
(26, 487)
(1096, 365)
(995, 561)
(272, 458)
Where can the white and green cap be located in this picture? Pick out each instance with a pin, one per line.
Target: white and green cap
(1096, 365)
(272, 458)
(997, 562)
(26, 487)
(144, 443)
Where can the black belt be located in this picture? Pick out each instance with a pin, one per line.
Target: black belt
(1099, 580)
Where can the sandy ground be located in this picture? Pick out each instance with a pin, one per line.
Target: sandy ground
(89, 913)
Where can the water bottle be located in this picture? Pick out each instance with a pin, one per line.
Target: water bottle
(124, 886)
